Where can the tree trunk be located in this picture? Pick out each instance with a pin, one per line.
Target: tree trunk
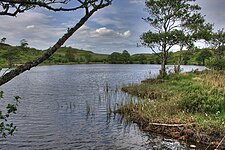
(177, 70)
(163, 63)
(163, 69)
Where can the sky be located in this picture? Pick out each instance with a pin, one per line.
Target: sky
(112, 29)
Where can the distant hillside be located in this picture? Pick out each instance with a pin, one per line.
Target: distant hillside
(16, 55)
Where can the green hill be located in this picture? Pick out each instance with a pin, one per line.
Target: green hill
(16, 55)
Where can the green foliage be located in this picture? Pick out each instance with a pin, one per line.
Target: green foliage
(23, 43)
(119, 58)
(218, 39)
(217, 64)
(16, 55)
(172, 23)
(69, 55)
(203, 55)
(125, 56)
(7, 128)
(3, 40)
(206, 100)
(142, 59)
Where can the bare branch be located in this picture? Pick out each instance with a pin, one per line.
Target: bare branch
(13, 7)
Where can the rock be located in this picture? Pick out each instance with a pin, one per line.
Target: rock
(192, 146)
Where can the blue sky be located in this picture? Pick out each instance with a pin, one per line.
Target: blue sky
(115, 28)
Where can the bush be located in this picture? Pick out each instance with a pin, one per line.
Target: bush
(218, 64)
(203, 100)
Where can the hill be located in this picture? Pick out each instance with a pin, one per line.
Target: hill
(15, 55)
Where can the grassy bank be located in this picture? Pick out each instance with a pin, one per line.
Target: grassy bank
(189, 106)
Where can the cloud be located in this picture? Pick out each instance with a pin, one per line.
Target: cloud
(30, 27)
(40, 34)
(137, 1)
(126, 34)
(103, 32)
(110, 33)
(111, 29)
(101, 40)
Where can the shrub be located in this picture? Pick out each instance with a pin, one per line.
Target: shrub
(203, 100)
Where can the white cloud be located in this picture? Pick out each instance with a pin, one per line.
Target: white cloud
(137, 1)
(126, 34)
(102, 40)
(30, 27)
(40, 34)
(104, 31)
(110, 33)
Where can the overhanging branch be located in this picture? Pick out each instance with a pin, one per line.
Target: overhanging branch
(13, 7)
(28, 65)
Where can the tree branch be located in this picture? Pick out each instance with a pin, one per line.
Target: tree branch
(13, 7)
(28, 65)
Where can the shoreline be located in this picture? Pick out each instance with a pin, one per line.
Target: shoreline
(162, 109)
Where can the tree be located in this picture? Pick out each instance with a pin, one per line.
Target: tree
(168, 19)
(218, 42)
(13, 7)
(88, 57)
(3, 40)
(125, 57)
(203, 55)
(114, 58)
(23, 43)
(69, 55)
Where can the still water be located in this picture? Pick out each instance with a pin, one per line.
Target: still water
(67, 107)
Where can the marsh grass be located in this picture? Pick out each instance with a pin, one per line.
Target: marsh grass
(189, 98)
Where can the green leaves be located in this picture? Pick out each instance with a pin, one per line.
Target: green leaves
(7, 128)
(173, 22)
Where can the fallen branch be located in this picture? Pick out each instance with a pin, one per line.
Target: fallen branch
(169, 125)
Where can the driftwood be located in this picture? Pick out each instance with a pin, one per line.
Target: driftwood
(169, 125)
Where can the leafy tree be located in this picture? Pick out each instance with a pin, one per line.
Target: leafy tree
(69, 55)
(125, 57)
(142, 59)
(3, 40)
(218, 42)
(186, 58)
(203, 55)
(88, 57)
(23, 43)
(168, 19)
(10, 55)
(114, 58)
